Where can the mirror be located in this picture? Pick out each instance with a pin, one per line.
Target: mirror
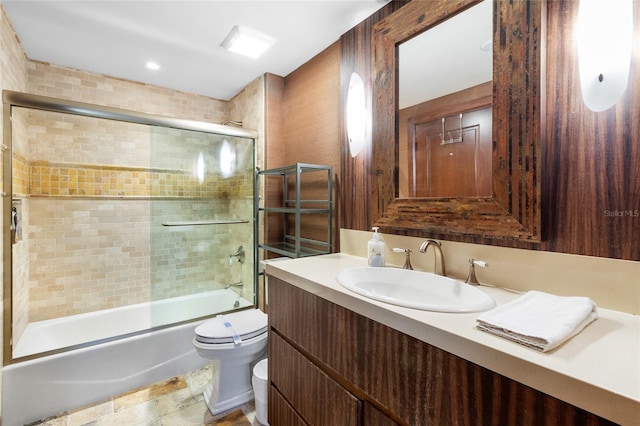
(511, 214)
(444, 101)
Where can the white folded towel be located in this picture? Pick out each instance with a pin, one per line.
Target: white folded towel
(539, 320)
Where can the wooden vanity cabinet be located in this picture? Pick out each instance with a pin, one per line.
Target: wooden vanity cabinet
(331, 366)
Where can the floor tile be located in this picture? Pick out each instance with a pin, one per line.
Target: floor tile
(89, 415)
(198, 380)
(143, 414)
(149, 393)
(177, 400)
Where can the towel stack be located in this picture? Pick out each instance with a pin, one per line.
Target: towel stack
(539, 320)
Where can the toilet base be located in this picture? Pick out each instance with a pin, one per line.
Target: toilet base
(217, 406)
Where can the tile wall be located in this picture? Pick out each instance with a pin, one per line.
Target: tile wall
(102, 184)
(13, 76)
(98, 192)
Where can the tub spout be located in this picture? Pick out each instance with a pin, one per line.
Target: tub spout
(238, 284)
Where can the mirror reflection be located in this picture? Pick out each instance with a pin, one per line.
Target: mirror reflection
(444, 97)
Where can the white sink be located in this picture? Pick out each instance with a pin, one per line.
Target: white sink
(415, 289)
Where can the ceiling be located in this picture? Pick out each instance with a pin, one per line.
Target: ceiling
(117, 38)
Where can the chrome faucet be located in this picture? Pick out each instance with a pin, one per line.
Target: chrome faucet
(437, 253)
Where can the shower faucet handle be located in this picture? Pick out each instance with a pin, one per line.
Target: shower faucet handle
(238, 256)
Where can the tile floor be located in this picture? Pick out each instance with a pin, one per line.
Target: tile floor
(174, 402)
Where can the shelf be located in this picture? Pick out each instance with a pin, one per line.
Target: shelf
(293, 210)
(292, 207)
(294, 169)
(205, 222)
(289, 249)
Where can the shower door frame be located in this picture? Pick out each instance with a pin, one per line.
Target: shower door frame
(12, 99)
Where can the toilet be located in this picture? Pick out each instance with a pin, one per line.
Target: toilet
(237, 341)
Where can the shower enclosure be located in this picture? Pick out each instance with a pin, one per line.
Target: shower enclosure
(148, 218)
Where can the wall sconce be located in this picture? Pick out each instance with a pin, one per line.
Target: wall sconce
(199, 169)
(227, 159)
(356, 114)
(605, 36)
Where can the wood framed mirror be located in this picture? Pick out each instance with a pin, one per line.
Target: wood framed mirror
(512, 214)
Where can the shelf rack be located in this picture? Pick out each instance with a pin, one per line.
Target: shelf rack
(292, 208)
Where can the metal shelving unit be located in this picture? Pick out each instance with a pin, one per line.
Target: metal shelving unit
(292, 207)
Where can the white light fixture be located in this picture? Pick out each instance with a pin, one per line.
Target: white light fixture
(604, 35)
(247, 41)
(227, 159)
(200, 168)
(154, 66)
(356, 114)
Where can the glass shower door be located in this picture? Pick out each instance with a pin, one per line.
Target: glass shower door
(202, 221)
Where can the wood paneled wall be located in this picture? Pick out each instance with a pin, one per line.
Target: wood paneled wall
(304, 106)
(591, 183)
(355, 172)
(592, 203)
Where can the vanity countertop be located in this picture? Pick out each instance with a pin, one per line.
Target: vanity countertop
(597, 370)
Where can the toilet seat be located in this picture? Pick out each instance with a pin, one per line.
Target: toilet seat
(232, 328)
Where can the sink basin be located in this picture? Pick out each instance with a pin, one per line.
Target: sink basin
(415, 289)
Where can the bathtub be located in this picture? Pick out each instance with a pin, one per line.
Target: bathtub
(42, 387)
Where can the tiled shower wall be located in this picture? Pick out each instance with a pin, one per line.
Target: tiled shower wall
(98, 192)
(13, 76)
(90, 176)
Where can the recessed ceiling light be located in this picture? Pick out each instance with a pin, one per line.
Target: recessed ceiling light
(247, 41)
(152, 65)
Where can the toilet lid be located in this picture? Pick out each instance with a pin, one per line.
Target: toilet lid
(232, 328)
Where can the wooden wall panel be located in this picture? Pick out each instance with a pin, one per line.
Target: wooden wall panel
(274, 152)
(311, 125)
(592, 204)
(590, 193)
(355, 188)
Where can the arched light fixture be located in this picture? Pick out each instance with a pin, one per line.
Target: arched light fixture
(356, 114)
(604, 35)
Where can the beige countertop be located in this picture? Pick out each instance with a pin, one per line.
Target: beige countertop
(597, 370)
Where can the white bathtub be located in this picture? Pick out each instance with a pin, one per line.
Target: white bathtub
(38, 388)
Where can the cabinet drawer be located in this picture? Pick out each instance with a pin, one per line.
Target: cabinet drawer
(280, 412)
(318, 399)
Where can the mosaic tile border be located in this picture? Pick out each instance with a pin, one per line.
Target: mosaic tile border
(46, 179)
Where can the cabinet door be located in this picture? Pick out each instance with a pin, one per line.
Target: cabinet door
(316, 397)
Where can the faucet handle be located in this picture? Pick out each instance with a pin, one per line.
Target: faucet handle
(407, 258)
(480, 263)
(472, 279)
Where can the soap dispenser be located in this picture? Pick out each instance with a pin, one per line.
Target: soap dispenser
(376, 249)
